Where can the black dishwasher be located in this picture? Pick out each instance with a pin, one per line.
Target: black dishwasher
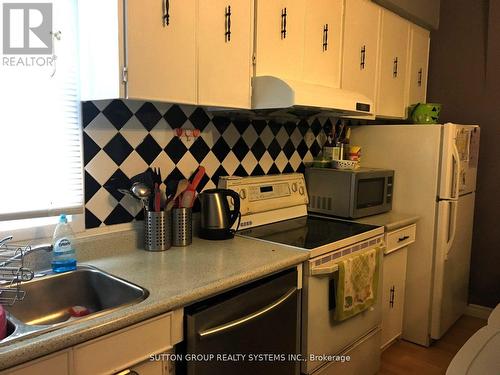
(254, 329)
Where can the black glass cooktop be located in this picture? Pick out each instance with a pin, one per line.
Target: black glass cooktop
(307, 232)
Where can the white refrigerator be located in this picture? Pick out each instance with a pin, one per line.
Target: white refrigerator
(435, 178)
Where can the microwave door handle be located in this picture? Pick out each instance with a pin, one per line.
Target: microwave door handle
(247, 318)
(453, 227)
(321, 271)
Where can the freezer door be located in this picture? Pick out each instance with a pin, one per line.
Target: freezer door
(452, 261)
(460, 147)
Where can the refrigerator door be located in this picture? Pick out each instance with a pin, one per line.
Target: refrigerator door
(452, 260)
(460, 146)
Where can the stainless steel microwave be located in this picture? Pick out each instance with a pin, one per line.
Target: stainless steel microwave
(350, 194)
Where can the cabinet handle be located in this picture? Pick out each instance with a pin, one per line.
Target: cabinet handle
(227, 35)
(325, 38)
(404, 238)
(363, 58)
(395, 68)
(391, 298)
(127, 372)
(283, 23)
(419, 80)
(166, 13)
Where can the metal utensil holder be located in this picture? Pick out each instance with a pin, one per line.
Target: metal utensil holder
(182, 226)
(13, 273)
(157, 230)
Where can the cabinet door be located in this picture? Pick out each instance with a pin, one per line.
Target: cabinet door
(225, 52)
(323, 42)
(361, 47)
(54, 364)
(149, 368)
(280, 38)
(161, 56)
(393, 295)
(419, 62)
(391, 100)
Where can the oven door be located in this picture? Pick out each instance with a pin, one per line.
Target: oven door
(371, 193)
(321, 333)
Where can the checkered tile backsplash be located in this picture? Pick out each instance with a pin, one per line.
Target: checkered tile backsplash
(122, 138)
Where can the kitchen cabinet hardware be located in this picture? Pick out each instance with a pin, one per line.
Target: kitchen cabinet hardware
(404, 238)
(283, 23)
(395, 68)
(227, 35)
(363, 58)
(325, 37)
(127, 372)
(391, 299)
(166, 13)
(419, 80)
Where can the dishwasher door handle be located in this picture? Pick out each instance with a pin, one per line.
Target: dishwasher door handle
(247, 318)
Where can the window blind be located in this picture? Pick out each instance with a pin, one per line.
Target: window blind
(40, 133)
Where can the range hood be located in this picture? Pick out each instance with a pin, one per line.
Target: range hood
(277, 96)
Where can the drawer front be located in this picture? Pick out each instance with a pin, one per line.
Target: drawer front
(124, 348)
(401, 238)
(56, 364)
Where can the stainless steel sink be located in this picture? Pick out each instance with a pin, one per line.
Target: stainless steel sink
(46, 305)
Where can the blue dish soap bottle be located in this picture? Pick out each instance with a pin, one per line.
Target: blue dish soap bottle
(63, 253)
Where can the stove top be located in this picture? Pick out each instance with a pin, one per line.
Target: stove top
(314, 233)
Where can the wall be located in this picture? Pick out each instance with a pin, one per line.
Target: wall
(122, 138)
(464, 75)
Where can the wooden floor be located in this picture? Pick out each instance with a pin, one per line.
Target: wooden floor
(408, 359)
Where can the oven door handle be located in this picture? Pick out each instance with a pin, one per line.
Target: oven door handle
(321, 271)
(247, 318)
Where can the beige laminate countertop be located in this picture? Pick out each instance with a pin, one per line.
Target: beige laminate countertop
(174, 278)
(390, 220)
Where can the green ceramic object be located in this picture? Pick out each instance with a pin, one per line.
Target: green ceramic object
(425, 113)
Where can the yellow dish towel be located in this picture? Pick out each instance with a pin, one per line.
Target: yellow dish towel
(357, 284)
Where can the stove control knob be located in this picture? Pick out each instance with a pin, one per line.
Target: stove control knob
(294, 187)
(301, 190)
(243, 194)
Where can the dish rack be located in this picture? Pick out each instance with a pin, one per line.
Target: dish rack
(12, 272)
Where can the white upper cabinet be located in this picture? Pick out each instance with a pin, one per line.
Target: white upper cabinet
(394, 44)
(323, 42)
(419, 63)
(161, 50)
(279, 48)
(225, 52)
(361, 47)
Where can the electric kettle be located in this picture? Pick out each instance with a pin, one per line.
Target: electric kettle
(217, 218)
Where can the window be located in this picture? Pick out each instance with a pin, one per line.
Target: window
(40, 134)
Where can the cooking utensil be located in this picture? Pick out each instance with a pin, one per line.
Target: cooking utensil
(190, 194)
(216, 216)
(157, 198)
(143, 192)
(3, 323)
(181, 187)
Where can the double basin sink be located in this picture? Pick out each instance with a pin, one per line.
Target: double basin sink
(50, 298)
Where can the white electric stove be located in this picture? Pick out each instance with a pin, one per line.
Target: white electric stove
(274, 209)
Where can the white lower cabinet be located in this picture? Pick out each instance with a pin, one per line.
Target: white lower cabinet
(394, 281)
(127, 351)
(53, 364)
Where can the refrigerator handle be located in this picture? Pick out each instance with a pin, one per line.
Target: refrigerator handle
(456, 177)
(453, 227)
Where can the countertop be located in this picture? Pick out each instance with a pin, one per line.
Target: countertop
(174, 278)
(390, 220)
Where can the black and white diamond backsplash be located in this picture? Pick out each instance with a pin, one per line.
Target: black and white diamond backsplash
(122, 138)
